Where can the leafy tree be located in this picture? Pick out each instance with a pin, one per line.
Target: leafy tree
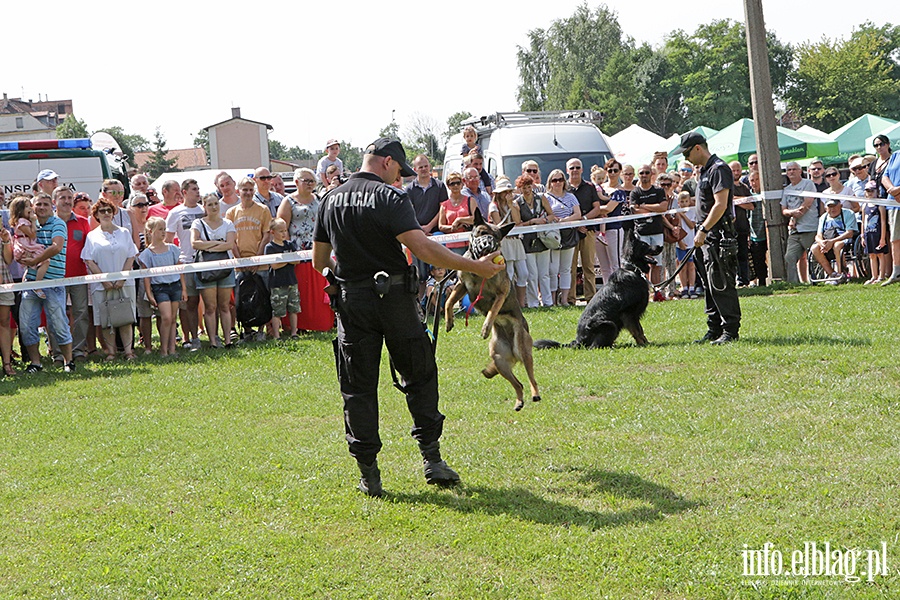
(561, 63)
(711, 70)
(616, 93)
(201, 140)
(158, 163)
(129, 143)
(659, 107)
(423, 136)
(279, 151)
(454, 122)
(351, 156)
(837, 81)
(71, 127)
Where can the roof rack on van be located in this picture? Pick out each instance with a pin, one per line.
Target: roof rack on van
(501, 119)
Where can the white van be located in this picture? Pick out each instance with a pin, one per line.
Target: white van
(549, 138)
(77, 164)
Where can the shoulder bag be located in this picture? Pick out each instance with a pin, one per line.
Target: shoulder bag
(117, 309)
(208, 256)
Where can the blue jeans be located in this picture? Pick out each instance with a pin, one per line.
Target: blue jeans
(54, 306)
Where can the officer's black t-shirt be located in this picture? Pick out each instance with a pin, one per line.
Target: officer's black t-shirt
(361, 219)
(715, 176)
(649, 225)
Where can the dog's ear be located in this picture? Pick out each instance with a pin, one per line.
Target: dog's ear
(479, 219)
(504, 231)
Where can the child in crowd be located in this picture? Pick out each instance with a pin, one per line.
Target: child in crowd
(283, 280)
(432, 285)
(471, 143)
(25, 245)
(876, 236)
(164, 292)
(688, 219)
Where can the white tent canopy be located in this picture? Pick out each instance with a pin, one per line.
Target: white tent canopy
(635, 145)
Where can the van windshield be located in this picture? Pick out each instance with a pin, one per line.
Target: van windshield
(512, 165)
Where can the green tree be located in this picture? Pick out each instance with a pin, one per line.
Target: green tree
(423, 136)
(279, 151)
(72, 127)
(710, 68)
(391, 130)
(563, 62)
(615, 94)
(129, 143)
(454, 122)
(659, 107)
(201, 140)
(158, 163)
(351, 156)
(837, 81)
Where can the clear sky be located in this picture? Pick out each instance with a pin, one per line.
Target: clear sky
(315, 70)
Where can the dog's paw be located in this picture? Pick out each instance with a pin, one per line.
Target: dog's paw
(449, 325)
(485, 330)
(535, 398)
(519, 405)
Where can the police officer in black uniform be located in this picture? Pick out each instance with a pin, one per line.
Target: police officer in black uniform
(715, 240)
(364, 222)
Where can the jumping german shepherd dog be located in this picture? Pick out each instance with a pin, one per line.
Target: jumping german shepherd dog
(619, 303)
(510, 341)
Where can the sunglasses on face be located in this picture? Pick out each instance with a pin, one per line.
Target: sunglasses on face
(104, 211)
(643, 172)
(878, 145)
(454, 183)
(753, 162)
(665, 185)
(557, 180)
(113, 193)
(531, 170)
(266, 177)
(141, 204)
(613, 170)
(308, 181)
(831, 174)
(857, 168)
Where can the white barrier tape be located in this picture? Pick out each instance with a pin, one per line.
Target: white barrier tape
(251, 261)
(771, 195)
(302, 256)
(888, 202)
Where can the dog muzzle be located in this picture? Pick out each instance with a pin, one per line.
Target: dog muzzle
(482, 245)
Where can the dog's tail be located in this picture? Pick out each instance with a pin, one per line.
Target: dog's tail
(545, 344)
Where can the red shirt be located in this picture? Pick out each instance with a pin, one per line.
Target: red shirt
(78, 228)
(160, 210)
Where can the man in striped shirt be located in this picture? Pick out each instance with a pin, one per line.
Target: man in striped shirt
(52, 233)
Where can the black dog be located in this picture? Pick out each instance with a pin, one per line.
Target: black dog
(619, 303)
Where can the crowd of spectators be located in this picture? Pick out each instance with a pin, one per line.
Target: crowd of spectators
(56, 233)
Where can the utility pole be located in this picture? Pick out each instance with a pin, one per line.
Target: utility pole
(766, 137)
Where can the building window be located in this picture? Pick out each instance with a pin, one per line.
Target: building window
(20, 123)
(61, 109)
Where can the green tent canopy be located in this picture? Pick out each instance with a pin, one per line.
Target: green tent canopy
(852, 137)
(738, 142)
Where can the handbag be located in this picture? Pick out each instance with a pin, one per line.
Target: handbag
(550, 238)
(677, 233)
(208, 256)
(117, 309)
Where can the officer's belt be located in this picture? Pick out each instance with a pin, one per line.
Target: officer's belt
(369, 282)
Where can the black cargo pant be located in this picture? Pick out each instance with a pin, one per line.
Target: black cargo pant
(723, 310)
(365, 321)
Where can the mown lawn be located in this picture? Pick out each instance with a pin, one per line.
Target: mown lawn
(643, 473)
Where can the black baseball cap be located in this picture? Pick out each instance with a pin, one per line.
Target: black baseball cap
(689, 140)
(392, 147)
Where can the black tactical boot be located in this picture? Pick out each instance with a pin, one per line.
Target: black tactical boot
(370, 482)
(436, 470)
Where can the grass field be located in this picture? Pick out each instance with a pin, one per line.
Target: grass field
(643, 473)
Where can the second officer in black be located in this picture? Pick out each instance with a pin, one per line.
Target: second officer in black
(359, 232)
(715, 240)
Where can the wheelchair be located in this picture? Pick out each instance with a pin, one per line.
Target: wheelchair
(855, 259)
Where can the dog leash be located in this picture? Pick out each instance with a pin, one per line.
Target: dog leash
(474, 302)
(684, 261)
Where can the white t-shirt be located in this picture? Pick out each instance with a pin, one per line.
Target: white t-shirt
(323, 165)
(179, 222)
(691, 214)
(219, 234)
(108, 250)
